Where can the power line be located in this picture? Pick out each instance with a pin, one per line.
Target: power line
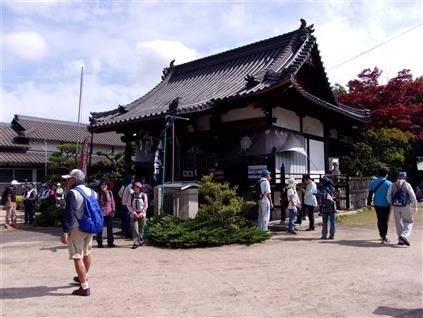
(375, 47)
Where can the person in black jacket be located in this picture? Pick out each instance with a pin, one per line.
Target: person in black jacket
(29, 199)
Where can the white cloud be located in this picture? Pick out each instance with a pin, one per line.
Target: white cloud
(27, 45)
(124, 46)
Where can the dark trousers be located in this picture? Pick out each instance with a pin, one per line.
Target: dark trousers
(126, 223)
(382, 213)
(29, 211)
(309, 209)
(108, 221)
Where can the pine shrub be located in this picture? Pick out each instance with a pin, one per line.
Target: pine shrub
(218, 222)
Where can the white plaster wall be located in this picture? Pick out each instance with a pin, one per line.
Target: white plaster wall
(312, 126)
(242, 113)
(286, 119)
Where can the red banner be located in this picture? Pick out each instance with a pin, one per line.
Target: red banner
(83, 160)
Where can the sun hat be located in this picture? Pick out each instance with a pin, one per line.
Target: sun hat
(14, 182)
(402, 174)
(291, 182)
(265, 172)
(75, 173)
(138, 184)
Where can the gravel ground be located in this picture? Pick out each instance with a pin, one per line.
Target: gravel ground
(287, 276)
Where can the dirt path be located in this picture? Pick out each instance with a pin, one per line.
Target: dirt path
(287, 276)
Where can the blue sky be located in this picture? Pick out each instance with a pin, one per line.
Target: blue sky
(123, 46)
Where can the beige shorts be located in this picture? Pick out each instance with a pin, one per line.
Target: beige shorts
(80, 244)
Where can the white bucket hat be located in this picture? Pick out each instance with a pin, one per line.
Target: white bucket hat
(291, 182)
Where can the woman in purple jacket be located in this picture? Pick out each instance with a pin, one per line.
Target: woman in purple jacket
(107, 204)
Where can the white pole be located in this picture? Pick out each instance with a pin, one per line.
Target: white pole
(79, 116)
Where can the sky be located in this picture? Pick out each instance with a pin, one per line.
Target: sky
(123, 46)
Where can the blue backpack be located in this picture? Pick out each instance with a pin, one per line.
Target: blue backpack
(400, 197)
(92, 221)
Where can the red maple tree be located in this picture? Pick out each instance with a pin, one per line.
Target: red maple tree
(397, 104)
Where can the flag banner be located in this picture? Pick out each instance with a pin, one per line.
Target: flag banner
(83, 160)
(159, 153)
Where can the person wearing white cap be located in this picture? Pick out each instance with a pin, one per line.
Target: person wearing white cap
(9, 198)
(400, 194)
(79, 243)
(265, 201)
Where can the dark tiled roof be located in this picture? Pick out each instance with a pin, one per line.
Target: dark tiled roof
(361, 114)
(29, 157)
(8, 136)
(238, 73)
(32, 158)
(60, 131)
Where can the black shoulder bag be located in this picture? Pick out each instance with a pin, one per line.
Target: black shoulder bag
(370, 196)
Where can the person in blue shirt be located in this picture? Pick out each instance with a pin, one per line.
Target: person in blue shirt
(378, 189)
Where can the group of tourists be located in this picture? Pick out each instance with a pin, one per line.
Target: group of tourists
(397, 196)
(384, 194)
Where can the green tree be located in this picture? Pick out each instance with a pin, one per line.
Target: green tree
(377, 148)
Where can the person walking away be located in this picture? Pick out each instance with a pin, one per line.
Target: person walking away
(107, 204)
(79, 243)
(327, 206)
(378, 189)
(265, 201)
(138, 211)
(29, 199)
(9, 200)
(125, 194)
(294, 205)
(310, 201)
(400, 194)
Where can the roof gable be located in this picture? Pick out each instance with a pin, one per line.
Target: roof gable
(237, 73)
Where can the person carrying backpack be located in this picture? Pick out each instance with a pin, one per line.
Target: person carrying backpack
(9, 200)
(400, 194)
(137, 207)
(327, 206)
(79, 243)
(107, 204)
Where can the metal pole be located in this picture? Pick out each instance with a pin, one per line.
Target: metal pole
(173, 152)
(163, 172)
(46, 159)
(79, 116)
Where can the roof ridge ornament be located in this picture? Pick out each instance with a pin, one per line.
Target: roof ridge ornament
(251, 81)
(309, 29)
(168, 69)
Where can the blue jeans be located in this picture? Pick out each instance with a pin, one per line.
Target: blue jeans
(331, 217)
(292, 214)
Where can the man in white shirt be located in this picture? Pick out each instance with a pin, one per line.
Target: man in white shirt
(310, 200)
(265, 202)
